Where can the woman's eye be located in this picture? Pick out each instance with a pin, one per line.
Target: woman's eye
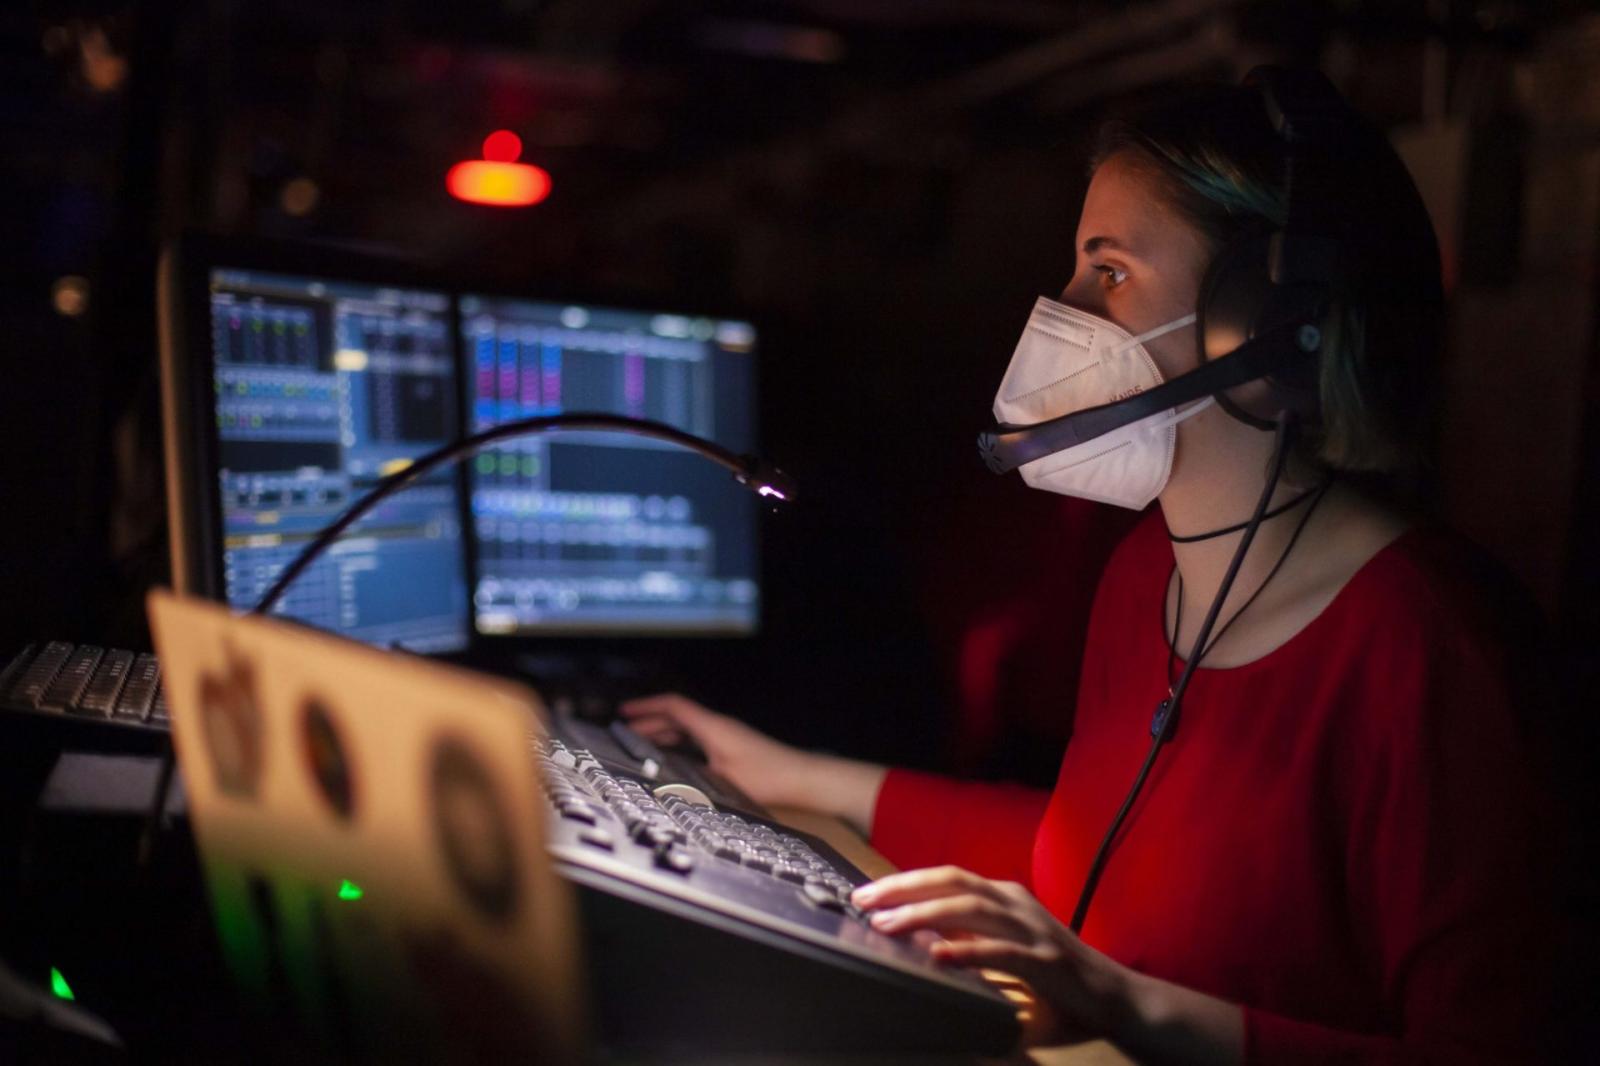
(1110, 276)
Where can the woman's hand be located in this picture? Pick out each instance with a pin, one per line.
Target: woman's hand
(999, 925)
(769, 772)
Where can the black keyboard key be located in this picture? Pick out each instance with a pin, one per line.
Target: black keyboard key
(35, 680)
(636, 746)
(158, 706)
(577, 812)
(101, 695)
(654, 836)
(14, 668)
(143, 679)
(674, 859)
(598, 838)
(820, 896)
(68, 685)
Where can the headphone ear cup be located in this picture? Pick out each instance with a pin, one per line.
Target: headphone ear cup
(1238, 301)
(1233, 296)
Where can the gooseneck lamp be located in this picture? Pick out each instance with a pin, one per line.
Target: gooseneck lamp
(754, 473)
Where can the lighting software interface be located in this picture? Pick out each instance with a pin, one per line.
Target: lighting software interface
(604, 532)
(322, 387)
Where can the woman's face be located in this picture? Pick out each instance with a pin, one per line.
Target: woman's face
(1138, 263)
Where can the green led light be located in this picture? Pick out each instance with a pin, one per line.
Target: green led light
(59, 986)
(350, 890)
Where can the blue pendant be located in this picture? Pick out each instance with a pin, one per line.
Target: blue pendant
(1163, 709)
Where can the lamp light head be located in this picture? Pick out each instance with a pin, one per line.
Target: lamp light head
(765, 479)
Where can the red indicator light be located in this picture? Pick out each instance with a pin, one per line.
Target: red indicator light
(498, 179)
(502, 146)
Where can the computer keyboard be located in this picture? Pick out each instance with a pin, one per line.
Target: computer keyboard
(86, 697)
(83, 697)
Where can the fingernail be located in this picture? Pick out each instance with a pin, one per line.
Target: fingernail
(885, 919)
(863, 897)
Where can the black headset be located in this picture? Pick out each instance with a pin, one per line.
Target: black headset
(1261, 301)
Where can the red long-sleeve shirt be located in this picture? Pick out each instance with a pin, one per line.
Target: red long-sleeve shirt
(1339, 836)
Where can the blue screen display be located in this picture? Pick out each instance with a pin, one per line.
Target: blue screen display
(610, 533)
(321, 388)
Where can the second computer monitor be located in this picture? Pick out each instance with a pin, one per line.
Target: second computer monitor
(610, 534)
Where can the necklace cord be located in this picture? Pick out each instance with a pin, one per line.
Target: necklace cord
(1284, 432)
(1282, 508)
(1172, 649)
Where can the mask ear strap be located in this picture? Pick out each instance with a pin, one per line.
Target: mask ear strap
(1178, 414)
(1159, 331)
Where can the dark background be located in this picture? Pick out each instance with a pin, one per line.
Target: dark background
(885, 185)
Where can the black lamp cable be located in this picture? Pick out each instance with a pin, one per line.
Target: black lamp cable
(754, 473)
(1284, 431)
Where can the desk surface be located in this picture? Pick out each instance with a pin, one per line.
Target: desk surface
(848, 842)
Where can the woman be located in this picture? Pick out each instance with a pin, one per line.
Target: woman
(1330, 858)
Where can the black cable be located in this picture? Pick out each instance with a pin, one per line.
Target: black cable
(1283, 557)
(1284, 432)
(754, 473)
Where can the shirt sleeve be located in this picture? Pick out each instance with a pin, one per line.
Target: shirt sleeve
(924, 819)
(1445, 876)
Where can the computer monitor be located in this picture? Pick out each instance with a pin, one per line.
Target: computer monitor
(608, 534)
(292, 383)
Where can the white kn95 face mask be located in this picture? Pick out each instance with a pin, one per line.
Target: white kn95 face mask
(1069, 360)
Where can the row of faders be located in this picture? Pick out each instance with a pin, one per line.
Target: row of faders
(82, 679)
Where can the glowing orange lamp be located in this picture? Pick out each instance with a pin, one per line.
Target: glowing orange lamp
(498, 179)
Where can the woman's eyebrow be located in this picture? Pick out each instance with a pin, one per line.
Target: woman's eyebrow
(1094, 244)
